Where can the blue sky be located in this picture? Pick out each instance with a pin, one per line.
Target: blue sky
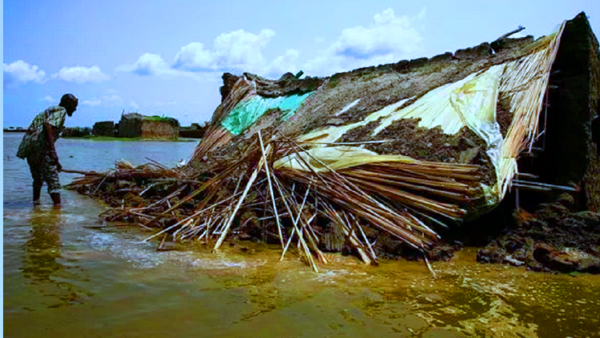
(167, 57)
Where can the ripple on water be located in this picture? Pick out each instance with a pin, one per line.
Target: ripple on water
(133, 251)
(143, 255)
(16, 235)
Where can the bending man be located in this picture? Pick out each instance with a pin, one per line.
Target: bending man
(38, 148)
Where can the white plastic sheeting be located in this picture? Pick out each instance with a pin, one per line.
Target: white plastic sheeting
(324, 159)
(332, 134)
(470, 102)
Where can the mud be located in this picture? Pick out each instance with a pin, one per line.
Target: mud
(553, 238)
(286, 85)
(408, 139)
(503, 116)
(591, 180)
(550, 232)
(390, 248)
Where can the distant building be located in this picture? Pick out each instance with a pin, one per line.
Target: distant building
(104, 128)
(193, 131)
(152, 127)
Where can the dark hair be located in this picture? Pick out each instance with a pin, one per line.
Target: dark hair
(68, 100)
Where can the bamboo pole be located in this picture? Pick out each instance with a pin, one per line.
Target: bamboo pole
(237, 207)
(266, 163)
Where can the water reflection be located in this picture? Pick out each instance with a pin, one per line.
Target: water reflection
(52, 258)
(43, 246)
(42, 264)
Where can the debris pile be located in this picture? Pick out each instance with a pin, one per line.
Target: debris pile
(334, 164)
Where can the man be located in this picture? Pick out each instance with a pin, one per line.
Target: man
(38, 148)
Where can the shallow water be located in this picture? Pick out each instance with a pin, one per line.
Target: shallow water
(68, 274)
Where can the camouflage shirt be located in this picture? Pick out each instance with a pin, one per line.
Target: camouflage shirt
(35, 141)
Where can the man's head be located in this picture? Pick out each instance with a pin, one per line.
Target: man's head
(69, 102)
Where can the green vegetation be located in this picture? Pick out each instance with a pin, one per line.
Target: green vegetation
(128, 139)
(312, 86)
(165, 119)
(76, 132)
(334, 81)
(110, 138)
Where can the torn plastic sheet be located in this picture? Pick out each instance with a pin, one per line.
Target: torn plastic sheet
(336, 158)
(451, 107)
(247, 112)
(331, 134)
(470, 102)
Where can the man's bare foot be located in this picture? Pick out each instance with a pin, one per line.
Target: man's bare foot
(36, 202)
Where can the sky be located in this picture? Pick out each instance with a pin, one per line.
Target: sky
(167, 57)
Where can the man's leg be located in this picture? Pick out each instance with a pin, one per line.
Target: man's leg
(55, 198)
(37, 191)
(35, 169)
(53, 182)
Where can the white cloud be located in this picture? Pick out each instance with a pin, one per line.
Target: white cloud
(49, 99)
(147, 64)
(92, 102)
(284, 63)
(237, 50)
(133, 105)
(387, 34)
(234, 51)
(389, 38)
(242, 50)
(153, 64)
(194, 57)
(20, 72)
(81, 75)
(110, 100)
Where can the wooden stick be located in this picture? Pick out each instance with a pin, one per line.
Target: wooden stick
(69, 171)
(237, 207)
(262, 147)
(429, 266)
(295, 222)
(301, 241)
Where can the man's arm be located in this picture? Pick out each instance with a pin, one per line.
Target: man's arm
(50, 139)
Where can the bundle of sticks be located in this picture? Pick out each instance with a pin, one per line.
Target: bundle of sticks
(404, 200)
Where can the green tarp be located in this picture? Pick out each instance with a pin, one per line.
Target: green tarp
(247, 112)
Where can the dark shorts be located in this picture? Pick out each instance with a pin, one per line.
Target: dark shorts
(43, 170)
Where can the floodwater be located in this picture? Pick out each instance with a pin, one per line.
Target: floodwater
(69, 274)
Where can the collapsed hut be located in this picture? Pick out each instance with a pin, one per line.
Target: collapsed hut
(402, 150)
